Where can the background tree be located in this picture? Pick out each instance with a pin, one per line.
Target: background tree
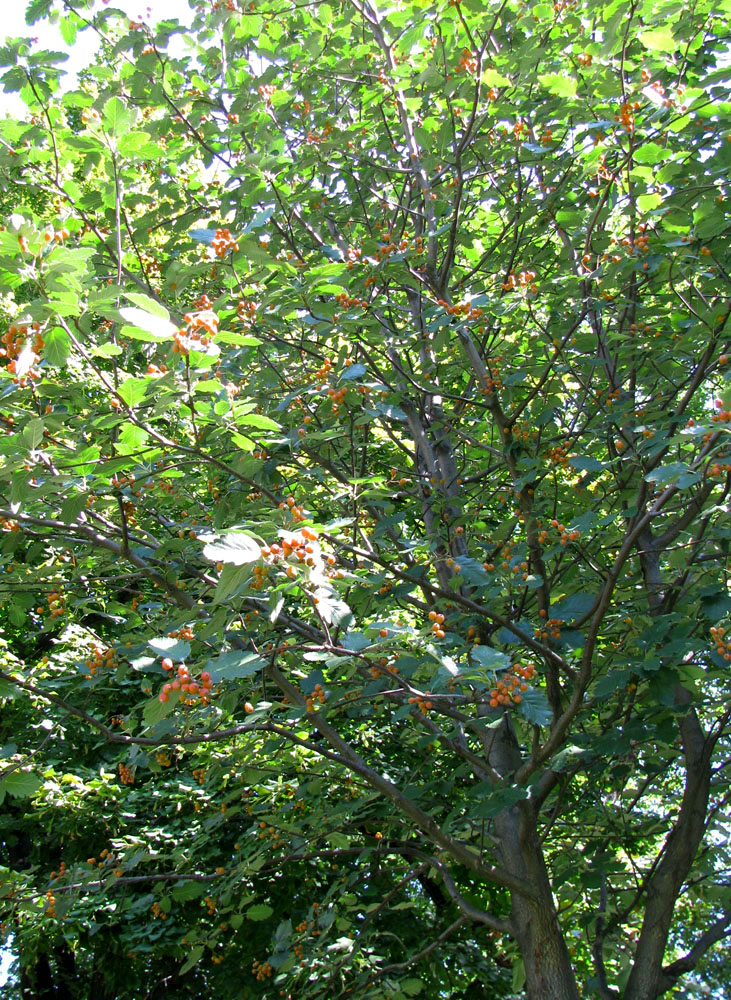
(364, 500)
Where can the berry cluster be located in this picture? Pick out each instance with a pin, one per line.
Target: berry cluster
(550, 629)
(246, 312)
(100, 656)
(625, 116)
(261, 970)
(297, 513)
(192, 691)
(723, 416)
(559, 454)
(323, 372)
(566, 536)
(298, 548)
(468, 62)
(525, 279)
(491, 378)
(14, 340)
(723, 645)
(202, 327)
(514, 681)
(223, 241)
(317, 697)
(422, 702)
(126, 775)
(720, 468)
(437, 621)
(57, 606)
(464, 309)
(348, 302)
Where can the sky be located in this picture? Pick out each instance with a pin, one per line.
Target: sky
(82, 51)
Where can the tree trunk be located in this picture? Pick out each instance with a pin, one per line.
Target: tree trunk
(548, 971)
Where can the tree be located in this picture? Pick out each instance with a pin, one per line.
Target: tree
(364, 494)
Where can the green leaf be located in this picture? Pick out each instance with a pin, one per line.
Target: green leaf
(106, 351)
(235, 665)
(559, 84)
(133, 390)
(259, 912)
(674, 474)
(535, 708)
(156, 327)
(584, 463)
(33, 433)
(183, 891)
(56, 347)
(568, 609)
(659, 40)
(489, 658)
(354, 371)
(176, 649)
(235, 547)
(117, 117)
(650, 152)
(20, 784)
(148, 305)
(237, 339)
(37, 9)
(491, 78)
(155, 710)
(257, 420)
(194, 956)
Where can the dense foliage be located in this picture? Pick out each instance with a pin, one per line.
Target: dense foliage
(364, 497)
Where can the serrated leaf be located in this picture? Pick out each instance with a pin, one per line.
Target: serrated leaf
(148, 305)
(20, 784)
(490, 659)
(37, 9)
(56, 347)
(611, 682)
(243, 442)
(133, 390)
(259, 912)
(188, 890)
(157, 327)
(237, 339)
(354, 371)
(257, 420)
(235, 665)
(176, 649)
(491, 78)
(33, 433)
(193, 958)
(535, 708)
(156, 710)
(117, 117)
(236, 548)
(203, 235)
(658, 40)
(106, 351)
(570, 608)
(231, 578)
(335, 611)
(584, 463)
(559, 84)
(675, 473)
